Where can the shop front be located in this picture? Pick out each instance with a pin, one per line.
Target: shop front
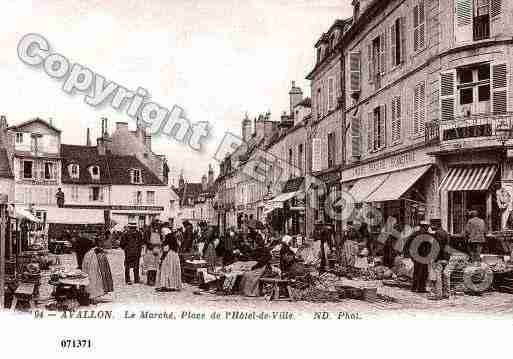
(286, 212)
(402, 186)
(332, 188)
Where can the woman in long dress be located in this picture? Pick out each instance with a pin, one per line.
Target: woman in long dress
(169, 277)
(97, 267)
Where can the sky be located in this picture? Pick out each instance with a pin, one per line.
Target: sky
(217, 59)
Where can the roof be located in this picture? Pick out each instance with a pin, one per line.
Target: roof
(37, 119)
(113, 169)
(5, 168)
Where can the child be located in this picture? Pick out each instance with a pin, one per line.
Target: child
(151, 261)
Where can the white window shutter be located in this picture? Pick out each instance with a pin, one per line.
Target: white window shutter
(356, 136)
(21, 168)
(447, 95)
(355, 71)
(383, 53)
(316, 154)
(393, 45)
(422, 107)
(403, 39)
(324, 158)
(370, 64)
(101, 194)
(496, 18)
(416, 28)
(398, 118)
(370, 131)
(422, 24)
(464, 20)
(383, 126)
(499, 88)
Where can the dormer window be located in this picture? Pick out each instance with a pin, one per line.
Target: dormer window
(136, 176)
(95, 172)
(19, 137)
(73, 170)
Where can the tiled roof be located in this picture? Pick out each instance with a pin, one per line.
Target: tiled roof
(5, 168)
(113, 169)
(84, 157)
(25, 123)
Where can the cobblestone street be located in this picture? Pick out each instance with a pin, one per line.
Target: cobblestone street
(141, 296)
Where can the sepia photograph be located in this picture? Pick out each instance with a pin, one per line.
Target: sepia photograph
(218, 163)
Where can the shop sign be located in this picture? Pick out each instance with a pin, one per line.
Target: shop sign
(330, 177)
(389, 164)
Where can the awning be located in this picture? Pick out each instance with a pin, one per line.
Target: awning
(24, 214)
(364, 187)
(283, 197)
(397, 184)
(475, 178)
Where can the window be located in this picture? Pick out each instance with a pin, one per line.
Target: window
(291, 156)
(356, 138)
(49, 173)
(136, 176)
(150, 197)
(331, 150)
(396, 119)
(28, 169)
(481, 19)
(73, 171)
(300, 158)
(475, 20)
(376, 129)
(19, 137)
(331, 93)
(419, 26)
(419, 109)
(398, 42)
(319, 102)
(95, 172)
(34, 144)
(474, 87)
(96, 194)
(355, 71)
(138, 197)
(74, 193)
(377, 60)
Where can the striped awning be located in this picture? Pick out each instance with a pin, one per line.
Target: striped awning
(477, 178)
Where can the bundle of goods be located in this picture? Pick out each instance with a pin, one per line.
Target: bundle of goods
(503, 281)
(313, 294)
(403, 267)
(382, 272)
(478, 279)
(456, 272)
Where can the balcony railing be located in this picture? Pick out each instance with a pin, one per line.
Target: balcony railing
(473, 126)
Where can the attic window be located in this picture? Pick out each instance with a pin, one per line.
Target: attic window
(136, 176)
(73, 170)
(95, 172)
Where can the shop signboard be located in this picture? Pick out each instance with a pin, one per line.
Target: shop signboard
(391, 163)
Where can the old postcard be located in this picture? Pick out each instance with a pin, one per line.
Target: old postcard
(238, 164)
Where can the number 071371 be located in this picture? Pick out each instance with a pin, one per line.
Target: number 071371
(76, 343)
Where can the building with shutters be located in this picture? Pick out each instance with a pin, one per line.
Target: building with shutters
(428, 109)
(325, 130)
(6, 161)
(37, 165)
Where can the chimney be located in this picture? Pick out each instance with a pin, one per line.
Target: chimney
(121, 126)
(246, 129)
(204, 183)
(296, 96)
(3, 122)
(50, 121)
(105, 127)
(88, 138)
(210, 175)
(147, 140)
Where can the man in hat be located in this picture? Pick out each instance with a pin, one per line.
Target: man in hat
(323, 234)
(475, 234)
(132, 242)
(418, 247)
